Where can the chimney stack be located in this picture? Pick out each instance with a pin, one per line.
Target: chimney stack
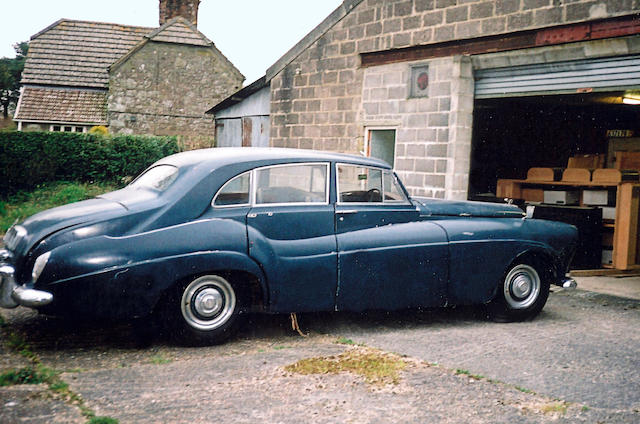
(188, 9)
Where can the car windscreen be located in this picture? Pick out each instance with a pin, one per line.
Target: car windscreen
(157, 178)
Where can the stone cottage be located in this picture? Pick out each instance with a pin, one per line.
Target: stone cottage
(454, 93)
(134, 80)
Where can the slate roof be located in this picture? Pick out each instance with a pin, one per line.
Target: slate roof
(78, 53)
(66, 105)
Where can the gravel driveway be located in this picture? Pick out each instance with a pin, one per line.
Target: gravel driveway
(578, 362)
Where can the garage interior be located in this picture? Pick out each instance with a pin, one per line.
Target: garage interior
(550, 136)
(512, 135)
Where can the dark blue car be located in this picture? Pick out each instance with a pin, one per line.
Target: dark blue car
(202, 237)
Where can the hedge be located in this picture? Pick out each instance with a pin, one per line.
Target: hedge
(28, 159)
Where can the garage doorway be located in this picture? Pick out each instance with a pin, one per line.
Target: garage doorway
(539, 115)
(511, 135)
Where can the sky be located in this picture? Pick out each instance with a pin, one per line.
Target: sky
(253, 34)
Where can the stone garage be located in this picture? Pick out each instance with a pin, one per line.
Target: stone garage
(415, 82)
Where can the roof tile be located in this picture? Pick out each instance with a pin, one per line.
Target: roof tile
(78, 49)
(63, 105)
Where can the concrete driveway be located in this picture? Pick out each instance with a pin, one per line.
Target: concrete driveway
(577, 362)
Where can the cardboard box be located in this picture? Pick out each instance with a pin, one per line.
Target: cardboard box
(609, 212)
(561, 197)
(607, 239)
(595, 197)
(533, 194)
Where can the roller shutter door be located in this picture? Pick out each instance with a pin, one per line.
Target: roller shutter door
(602, 74)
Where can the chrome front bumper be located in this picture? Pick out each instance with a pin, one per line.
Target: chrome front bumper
(569, 283)
(13, 295)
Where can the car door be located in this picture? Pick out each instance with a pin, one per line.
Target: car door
(291, 234)
(387, 258)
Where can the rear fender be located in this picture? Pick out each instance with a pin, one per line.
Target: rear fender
(133, 290)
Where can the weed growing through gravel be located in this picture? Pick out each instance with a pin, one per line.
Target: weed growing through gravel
(37, 373)
(345, 341)
(468, 373)
(26, 375)
(375, 366)
(159, 359)
(554, 408)
(102, 420)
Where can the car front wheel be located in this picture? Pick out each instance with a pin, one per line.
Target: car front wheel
(202, 311)
(521, 295)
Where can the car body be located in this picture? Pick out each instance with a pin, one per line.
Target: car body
(202, 237)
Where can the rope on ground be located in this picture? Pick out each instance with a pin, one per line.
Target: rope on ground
(295, 326)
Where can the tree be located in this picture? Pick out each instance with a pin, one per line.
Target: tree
(10, 73)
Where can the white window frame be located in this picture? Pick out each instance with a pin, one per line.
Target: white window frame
(383, 202)
(73, 127)
(253, 188)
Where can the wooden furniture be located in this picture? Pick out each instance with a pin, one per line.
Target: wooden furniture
(626, 253)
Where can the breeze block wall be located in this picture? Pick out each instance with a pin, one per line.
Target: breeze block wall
(324, 99)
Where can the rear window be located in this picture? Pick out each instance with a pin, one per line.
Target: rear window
(157, 178)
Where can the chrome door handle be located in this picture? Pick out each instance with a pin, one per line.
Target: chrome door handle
(347, 211)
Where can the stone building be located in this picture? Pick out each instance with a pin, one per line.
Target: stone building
(134, 80)
(446, 90)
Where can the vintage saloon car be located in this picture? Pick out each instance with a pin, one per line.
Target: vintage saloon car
(203, 236)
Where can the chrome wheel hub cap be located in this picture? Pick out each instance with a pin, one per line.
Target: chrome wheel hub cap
(522, 286)
(208, 302)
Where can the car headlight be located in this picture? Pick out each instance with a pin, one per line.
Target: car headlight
(39, 265)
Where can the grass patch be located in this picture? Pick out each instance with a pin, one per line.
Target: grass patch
(376, 367)
(344, 341)
(26, 203)
(468, 374)
(26, 375)
(102, 420)
(38, 373)
(159, 359)
(554, 408)
(523, 390)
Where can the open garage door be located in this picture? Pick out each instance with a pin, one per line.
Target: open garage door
(581, 76)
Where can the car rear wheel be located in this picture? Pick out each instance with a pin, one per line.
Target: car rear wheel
(202, 311)
(522, 293)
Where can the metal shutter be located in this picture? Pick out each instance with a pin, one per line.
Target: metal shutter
(603, 74)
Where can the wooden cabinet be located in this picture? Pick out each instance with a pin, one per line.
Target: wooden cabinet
(626, 248)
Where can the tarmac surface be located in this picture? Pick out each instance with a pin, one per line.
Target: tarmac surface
(577, 362)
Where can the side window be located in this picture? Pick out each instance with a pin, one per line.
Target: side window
(292, 184)
(392, 191)
(235, 192)
(359, 184)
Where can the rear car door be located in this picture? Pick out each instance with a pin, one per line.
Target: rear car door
(387, 258)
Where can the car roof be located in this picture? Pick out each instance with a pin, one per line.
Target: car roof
(221, 156)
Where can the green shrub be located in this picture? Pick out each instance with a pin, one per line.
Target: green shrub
(29, 159)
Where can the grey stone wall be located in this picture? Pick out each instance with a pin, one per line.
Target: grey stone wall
(165, 89)
(323, 99)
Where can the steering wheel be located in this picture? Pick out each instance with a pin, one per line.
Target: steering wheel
(373, 194)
